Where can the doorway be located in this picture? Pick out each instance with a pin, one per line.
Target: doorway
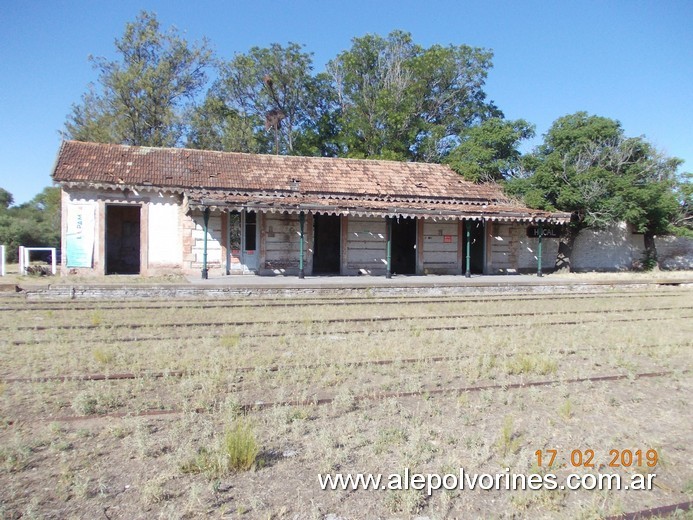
(326, 247)
(122, 239)
(476, 251)
(243, 239)
(403, 246)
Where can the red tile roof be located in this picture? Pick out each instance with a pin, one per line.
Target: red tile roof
(187, 168)
(236, 174)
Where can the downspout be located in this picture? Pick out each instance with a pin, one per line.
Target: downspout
(388, 272)
(467, 227)
(541, 234)
(204, 247)
(301, 221)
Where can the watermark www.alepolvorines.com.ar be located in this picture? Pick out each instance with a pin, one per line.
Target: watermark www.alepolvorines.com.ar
(504, 481)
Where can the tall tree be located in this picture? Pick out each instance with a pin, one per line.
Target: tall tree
(489, 151)
(399, 100)
(588, 167)
(266, 93)
(140, 97)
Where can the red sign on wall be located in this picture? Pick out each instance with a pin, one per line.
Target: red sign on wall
(447, 239)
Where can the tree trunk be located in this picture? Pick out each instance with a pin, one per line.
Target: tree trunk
(651, 259)
(565, 249)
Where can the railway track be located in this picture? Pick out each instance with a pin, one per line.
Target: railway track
(119, 376)
(317, 400)
(302, 333)
(655, 512)
(28, 306)
(326, 321)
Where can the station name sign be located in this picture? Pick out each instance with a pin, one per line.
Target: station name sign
(546, 231)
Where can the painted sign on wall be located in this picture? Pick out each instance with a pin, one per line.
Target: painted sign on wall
(546, 232)
(79, 238)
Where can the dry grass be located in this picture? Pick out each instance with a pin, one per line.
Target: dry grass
(182, 465)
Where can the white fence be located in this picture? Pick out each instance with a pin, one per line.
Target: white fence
(24, 257)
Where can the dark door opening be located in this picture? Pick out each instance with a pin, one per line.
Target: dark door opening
(476, 251)
(122, 239)
(326, 259)
(403, 246)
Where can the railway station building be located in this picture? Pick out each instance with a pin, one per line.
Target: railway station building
(151, 211)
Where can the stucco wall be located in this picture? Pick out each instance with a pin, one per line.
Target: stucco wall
(193, 243)
(502, 249)
(165, 239)
(440, 247)
(160, 228)
(366, 246)
(281, 233)
(615, 248)
(674, 252)
(528, 251)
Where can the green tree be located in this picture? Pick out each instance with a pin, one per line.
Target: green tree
(398, 100)
(33, 224)
(489, 151)
(141, 97)
(214, 125)
(258, 92)
(683, 221)
(588, 167)
(6, 199)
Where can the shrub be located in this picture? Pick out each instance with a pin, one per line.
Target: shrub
(240, 446)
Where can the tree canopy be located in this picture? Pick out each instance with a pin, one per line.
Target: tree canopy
(264, 89)
(588, 167)
(398, 100)
(382, 98)
(140, 98)
(489, 151)
(33, 224)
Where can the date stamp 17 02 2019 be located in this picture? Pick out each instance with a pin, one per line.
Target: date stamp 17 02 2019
(586, 458)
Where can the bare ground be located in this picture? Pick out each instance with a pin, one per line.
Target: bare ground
(63, 456)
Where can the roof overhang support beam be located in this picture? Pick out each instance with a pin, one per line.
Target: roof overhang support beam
(301, 224)
(541, 234)
(205, 272)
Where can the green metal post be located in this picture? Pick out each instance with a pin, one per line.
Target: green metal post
(302, 221)
(204, 247)
(467, 227)
(541, 234)
(388, 273)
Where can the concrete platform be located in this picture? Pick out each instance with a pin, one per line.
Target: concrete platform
(573, 279)
(349, 286)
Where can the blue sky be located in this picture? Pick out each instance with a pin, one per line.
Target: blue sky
(628, 60)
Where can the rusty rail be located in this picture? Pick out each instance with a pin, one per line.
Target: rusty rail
(120, 376)
(379, 396)
(654, 512)
(337, 301)
(259, 334)
(328, 321)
